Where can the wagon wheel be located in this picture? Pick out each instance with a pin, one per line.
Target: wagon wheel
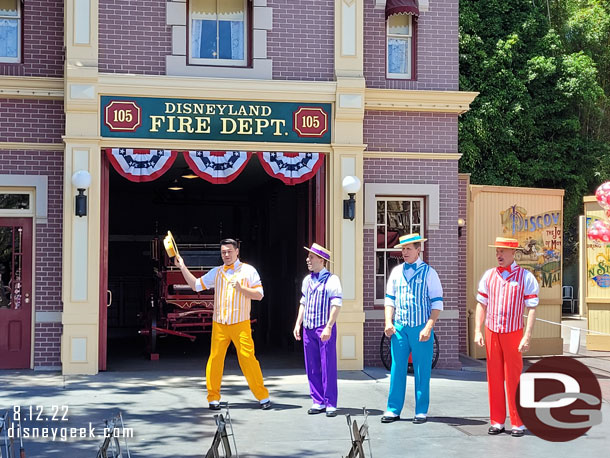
(385, 352)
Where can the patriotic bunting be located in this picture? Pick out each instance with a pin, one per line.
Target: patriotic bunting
(291, 168)
(218, 167)
(141, 165)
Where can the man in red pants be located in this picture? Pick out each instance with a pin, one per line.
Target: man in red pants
(503, 294)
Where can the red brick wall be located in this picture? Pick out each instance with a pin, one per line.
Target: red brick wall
(302, 43)
(37, 121)
(410, 131)
(48, 256)
(441, 249)
(43, 42)
(133, 37)
(437, 48)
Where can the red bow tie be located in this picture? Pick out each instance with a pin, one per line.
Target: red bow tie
(504, 269)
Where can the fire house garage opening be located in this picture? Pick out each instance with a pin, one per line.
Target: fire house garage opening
(272, 221)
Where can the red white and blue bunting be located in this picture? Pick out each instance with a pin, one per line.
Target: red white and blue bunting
(291, 168)
(141, 165)
(218, 167)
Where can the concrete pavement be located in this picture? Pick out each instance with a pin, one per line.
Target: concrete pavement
(164, 403)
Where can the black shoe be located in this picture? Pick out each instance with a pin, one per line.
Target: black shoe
(266, 405)
(517, 433)
(331, 413)
(389, 418)
(420, 420)
(214, 406)
(495, 431)
(314, 411)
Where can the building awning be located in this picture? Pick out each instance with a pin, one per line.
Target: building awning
(401, 7)
(218, 167)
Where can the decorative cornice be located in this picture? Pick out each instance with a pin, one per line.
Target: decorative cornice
(31, 146)
(408, 155)
(427, 101)
(217, 88)
(30, 87)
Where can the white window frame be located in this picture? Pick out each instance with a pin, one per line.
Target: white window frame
(420, 228)
(19, 19)
(220, 62)
(410, 52)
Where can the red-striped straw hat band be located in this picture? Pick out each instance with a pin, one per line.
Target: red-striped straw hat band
(502, 242)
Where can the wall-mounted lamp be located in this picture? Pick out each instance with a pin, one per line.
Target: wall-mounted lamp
(461, 224)
(81, 181)
(351, 185)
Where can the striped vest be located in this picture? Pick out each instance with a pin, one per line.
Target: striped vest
(412, 298)
(317, 302)
(230, 307)
(506, 301)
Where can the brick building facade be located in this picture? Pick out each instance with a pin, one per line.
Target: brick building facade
(397, 132)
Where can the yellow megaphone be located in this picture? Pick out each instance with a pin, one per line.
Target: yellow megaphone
(170, 245)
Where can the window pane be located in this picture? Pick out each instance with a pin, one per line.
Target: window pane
(204, 39)
(14, 201)
(379, 287)
(399, 217)
(8, 8)
(398, 24)
(394, 258)
(9, 36)
(398, 52)
(381, 237)
(416, 212)
(379, 262)
(10, 266)
(231, 39)
(380, 212)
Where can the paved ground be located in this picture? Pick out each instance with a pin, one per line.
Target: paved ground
(165, 405)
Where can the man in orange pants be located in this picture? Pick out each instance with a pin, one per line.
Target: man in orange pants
(236, 284)
(503, 294)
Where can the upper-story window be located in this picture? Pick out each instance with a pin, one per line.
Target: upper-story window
(400, 52)
(10, 30)
(219, 32)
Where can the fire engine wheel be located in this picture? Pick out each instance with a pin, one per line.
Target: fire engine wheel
(385, 352)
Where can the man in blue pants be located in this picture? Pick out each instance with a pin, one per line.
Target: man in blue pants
(413, 302)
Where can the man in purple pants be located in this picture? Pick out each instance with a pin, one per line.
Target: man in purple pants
(320, 305)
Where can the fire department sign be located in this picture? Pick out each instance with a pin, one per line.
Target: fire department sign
(193, 119)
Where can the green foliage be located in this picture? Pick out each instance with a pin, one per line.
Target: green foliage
(539, 117)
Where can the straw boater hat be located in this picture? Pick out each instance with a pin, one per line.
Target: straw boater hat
(502, 242)
(319, 250)
(409, 238)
